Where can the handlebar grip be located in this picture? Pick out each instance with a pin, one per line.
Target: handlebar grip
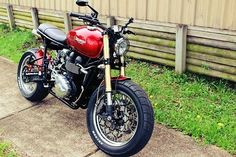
(75, 15)
(87, 18)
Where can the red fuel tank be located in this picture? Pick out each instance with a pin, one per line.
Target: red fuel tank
(86, 40)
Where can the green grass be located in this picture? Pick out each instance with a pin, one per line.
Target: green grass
(196, 105)
(14, 43)
(6, 150)
(202, 108)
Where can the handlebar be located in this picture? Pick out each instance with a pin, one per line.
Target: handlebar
(94, 21)
(87, 18)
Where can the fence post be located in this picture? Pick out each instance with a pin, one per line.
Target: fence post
(110, 21)
(67, 22)
(10, 16)
(35, 18)
(181, 46)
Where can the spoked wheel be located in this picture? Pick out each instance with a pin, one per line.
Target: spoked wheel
(33, 91)
(131, 125)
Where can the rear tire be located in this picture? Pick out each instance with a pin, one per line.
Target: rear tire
(33, 91)
(145, 121)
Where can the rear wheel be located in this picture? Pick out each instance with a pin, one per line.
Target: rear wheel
(33, 91)
(132, 120)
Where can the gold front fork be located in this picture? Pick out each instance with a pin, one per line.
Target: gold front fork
(122, 68)
(107, 70)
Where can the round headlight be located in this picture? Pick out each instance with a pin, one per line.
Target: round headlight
(116, 28)
(121, 46)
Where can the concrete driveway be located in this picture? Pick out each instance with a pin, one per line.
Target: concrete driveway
(51, 129)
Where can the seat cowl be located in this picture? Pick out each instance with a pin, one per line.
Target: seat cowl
(52, 32)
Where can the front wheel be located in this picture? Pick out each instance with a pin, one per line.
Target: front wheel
(132, 121)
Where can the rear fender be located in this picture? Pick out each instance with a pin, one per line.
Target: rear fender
(39, 54)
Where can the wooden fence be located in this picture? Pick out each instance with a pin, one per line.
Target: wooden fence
(201, 50)
(206, 13)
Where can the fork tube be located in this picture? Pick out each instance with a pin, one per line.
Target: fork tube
(122, 68)
(107, 71)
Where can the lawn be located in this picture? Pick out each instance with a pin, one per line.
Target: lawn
(196, 105)
(6, 150)
(13, 43)
(201, 107)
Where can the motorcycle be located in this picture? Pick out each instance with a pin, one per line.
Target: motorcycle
(120, 117)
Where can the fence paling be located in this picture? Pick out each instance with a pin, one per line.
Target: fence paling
(212, 51)
(35, 18)
(60, 25)
(152, 47)
(23, 18)
(3, 18)
(151, 40)
(23, 22)
(67, 22)
(24, 25)
(51, 18)
(3, 13)
(181, 42)
(49, 14)
(212, 35)
(2, 9)
(10, 16)
(152, 59)
(19, 9)
(213, 66)
(210, 58)
(21, 13)
(76, 24)
(212, 43)
(153, 53)
(214, 73)
(155, 34)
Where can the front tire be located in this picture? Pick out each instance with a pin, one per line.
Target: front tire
(33, 91)
(133, 119)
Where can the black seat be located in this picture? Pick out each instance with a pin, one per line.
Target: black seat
(52, 32)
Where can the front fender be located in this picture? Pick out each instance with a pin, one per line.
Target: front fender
(120, 78)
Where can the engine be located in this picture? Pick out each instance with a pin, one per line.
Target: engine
(65, 66)
(62, 87)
